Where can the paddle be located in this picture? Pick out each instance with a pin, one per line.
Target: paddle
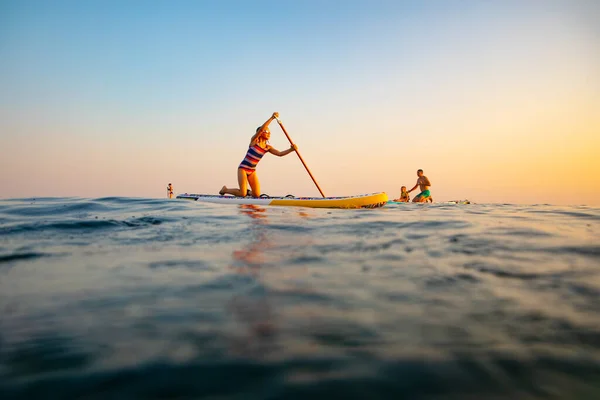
(299, 156)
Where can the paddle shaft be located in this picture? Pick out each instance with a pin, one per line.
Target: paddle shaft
(300, 157)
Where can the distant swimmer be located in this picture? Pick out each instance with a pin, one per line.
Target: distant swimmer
(258, 147)
(423, 183)
(170, 191)
(404, 196)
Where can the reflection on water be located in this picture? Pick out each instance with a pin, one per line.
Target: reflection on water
(253, 309)
(250, 257)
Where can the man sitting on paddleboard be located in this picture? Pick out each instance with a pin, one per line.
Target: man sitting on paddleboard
(257, 149)
(424, 184)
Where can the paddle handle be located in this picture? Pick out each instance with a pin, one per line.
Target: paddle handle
(300, 157)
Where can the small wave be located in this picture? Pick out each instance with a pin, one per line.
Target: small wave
(44, 209)
(360, 247)
(503, 272)
(464, 244)
(143, 221)
(543, 329)
(343, 334)
(588, 251)
(585, 291)
(450, 280)
(290, 228)
(105, 208)
(189, 264)
(527, 233)
(120, 200)
(564, 213)
(306, 259)
(88, 225)
(91, 225)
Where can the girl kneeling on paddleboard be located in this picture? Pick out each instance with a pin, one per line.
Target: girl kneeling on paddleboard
(257, 149)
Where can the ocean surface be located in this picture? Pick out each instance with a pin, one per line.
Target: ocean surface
(123, 298)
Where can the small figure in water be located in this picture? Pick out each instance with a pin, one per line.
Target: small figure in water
(404, 196)
(247, 170)
(170, 191)
(424, 184)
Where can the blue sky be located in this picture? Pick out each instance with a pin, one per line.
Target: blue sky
(370, 91)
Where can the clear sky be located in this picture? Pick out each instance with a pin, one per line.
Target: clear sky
(498, 101)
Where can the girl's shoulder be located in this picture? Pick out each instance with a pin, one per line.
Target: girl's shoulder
(263, 146)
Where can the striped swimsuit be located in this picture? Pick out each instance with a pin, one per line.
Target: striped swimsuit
(253, 156)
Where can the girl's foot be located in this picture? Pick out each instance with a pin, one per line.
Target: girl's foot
(222, 191)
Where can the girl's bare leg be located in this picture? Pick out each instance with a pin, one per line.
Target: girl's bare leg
(254, 184)
(242, 182)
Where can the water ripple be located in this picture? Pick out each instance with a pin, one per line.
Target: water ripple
(153, 298)
(22, 256)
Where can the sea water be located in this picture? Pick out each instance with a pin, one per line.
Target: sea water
(144, 298)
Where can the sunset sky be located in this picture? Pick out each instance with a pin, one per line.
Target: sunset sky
(497, 101)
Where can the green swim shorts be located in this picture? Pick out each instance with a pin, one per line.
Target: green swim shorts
(424, 193)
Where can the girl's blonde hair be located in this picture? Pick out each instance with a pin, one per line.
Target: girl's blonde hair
(260, 135)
